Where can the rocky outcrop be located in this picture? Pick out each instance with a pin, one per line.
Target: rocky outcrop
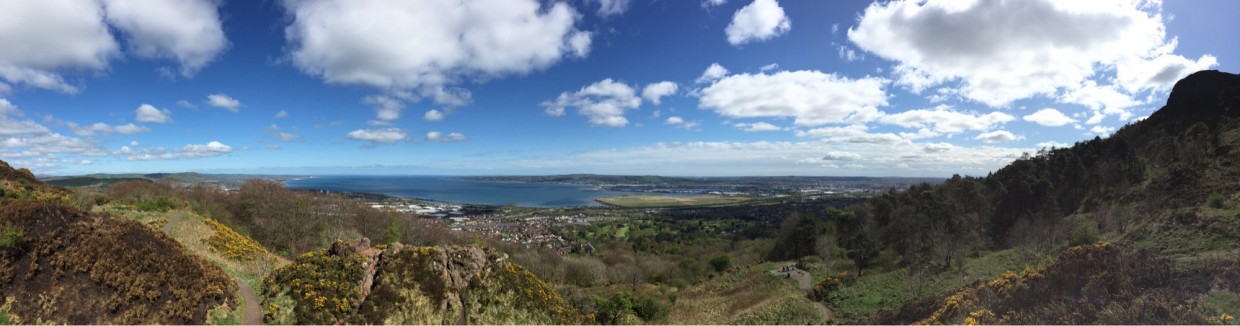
(397, 284)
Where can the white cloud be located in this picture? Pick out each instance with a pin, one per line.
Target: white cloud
(656, 91)
(1160, 69)
(283, 136)
(1052, 144)
(943, 119)
(433, 115)
(100, 128)
(766, 68)
(856, 133)
(765, 158)
(186, 104)
(282, 114)
(996, 136)
(681, 123)
(45, 38)
(428, 44)
(603, 103)
(378, 136)
(1101, 130)
(756, 126)
(841, 156)
(387, 109)
(42, 37)
(436, 136)
(937, 147)
(1002, 51)
(1049, 117)
(713, 72)
(188, 31)
(812, 97)
(148, 113)
(611, 7)
(710, 3)
(213, 148)
(758, 21)
(1103, 100)
(223, 101)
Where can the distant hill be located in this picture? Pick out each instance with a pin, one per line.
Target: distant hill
(59, 264)
(353, 283)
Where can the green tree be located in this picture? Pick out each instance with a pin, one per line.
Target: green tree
(392, 233)
(721, 262)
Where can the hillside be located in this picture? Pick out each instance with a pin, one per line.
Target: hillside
(351, 282)
(1166, 186)
(59, 264)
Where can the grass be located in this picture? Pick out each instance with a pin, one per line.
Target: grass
(190, 229)
(750, 295)
(876, 291)
(1221, 303)
(655, 201)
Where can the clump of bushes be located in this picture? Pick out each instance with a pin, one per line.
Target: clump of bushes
(156, 204)
(322, 286)
(826, 290)
(1092, 284)
(9, 235)
(231, 244)
(614, 310)
(1216, 201)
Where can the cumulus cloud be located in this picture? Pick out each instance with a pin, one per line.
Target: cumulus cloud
(602, 103)
(937, 147)
(1103, 100)
(710, 3)
(223, 101)
(841, 156)
(387, 109)
(713, 72)
(213, 148)
(758, 21)
(1049, 117)
(1002, 51)
(188, 31)
(433, 115)
(282, 114)
(811, 97)
(186, 104)
(435, 136)
(656, 91)
(756, 126)
(53, 35)
(283, 136)
(681, 123)
(1052, 144)
(67, 35)
(378, 136)
(1102, 130)
(943, 119)
(996, 136)
(148, 113)
(429, 44)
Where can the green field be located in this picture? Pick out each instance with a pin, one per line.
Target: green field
(651, 201)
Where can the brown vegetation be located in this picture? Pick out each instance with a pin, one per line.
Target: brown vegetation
(74, 267)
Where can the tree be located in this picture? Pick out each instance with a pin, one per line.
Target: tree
(721, 262)
(392, 233)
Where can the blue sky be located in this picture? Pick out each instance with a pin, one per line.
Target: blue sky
(735, 87)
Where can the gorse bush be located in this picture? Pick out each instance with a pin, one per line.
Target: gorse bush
(9, 235)
(231, 244)
(156, 204)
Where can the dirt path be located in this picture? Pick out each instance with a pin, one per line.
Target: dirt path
(805, 282)
(167, 228)
(253, 313)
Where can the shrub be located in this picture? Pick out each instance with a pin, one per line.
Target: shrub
(156, 204)
(721, 263)
(825, 290)
(9, 235)
(231, 244)
(1215, 201)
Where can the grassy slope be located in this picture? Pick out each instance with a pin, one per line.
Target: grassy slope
(749, 295)
(189, 228)
(654, 201)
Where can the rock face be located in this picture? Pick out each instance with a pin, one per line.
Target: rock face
(413, 285)
(61, 265)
